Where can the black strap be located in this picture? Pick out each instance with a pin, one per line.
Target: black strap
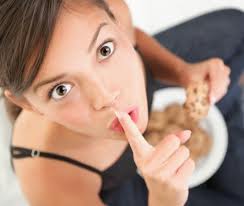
(21, 152)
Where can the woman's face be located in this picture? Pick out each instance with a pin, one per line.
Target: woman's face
(96, 70)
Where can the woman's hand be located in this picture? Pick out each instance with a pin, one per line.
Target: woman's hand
(166, 168)
(214, 71)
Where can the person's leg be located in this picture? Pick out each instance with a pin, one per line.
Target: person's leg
(209, 197)
(230, 176)
(132, 192)
(217, 34)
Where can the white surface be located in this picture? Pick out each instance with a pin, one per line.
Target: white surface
(150, 15)
(155, 15)
(213, 124)
(10, 193)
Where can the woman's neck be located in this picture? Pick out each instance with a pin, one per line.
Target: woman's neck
(65, 138)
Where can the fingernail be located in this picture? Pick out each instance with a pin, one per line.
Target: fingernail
(187, 133)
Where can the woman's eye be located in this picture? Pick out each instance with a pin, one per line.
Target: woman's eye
(106, 50)
(60, 91)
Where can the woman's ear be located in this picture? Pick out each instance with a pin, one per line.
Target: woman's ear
(20, 101)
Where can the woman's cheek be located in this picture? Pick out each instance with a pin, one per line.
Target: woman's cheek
(71, 114)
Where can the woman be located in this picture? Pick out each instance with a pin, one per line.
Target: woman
(66, 68)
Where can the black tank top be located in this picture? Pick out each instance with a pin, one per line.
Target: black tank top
(117, 173)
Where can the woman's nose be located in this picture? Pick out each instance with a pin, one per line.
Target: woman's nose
(99, 94)
(105, 99)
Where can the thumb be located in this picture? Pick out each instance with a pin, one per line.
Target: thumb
(211, 88)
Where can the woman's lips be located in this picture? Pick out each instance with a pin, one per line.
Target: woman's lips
(134, 115)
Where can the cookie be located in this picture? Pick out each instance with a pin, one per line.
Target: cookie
(175, 114)
(199, 144)
(197, 102)
(157, 121)
(153, 137)
(172, 120)
(171, 128)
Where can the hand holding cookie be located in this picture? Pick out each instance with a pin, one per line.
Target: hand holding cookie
(214, 71)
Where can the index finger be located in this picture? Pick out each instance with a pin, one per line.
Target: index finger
(137, 142)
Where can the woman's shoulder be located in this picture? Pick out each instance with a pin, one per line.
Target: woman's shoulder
(28, 128)
(47, 182)
(39, 177)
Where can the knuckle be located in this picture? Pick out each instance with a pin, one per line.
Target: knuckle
(218, 61)
(227, 69)
(228, 81)
(185, 151)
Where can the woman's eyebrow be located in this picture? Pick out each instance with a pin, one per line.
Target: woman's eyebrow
(48, 81)
(96, 35)
(52, 79)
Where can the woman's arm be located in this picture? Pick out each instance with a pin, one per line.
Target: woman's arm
(214, 197)
(165, 65)
(171, 69)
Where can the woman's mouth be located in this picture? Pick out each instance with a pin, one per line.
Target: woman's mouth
(134, 115)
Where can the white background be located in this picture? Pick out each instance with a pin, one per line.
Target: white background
(154, 15)
(150, 15)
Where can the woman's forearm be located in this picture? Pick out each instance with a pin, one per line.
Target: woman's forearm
(165, 65)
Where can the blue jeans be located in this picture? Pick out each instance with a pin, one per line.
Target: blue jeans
(217, 34)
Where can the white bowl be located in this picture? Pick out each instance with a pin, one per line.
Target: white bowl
(214, 125)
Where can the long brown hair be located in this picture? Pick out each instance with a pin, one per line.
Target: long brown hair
(26, 28)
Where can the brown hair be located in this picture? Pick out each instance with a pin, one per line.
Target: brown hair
(26, 28)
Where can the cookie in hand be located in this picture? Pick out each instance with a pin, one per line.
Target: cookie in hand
(197, 102)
